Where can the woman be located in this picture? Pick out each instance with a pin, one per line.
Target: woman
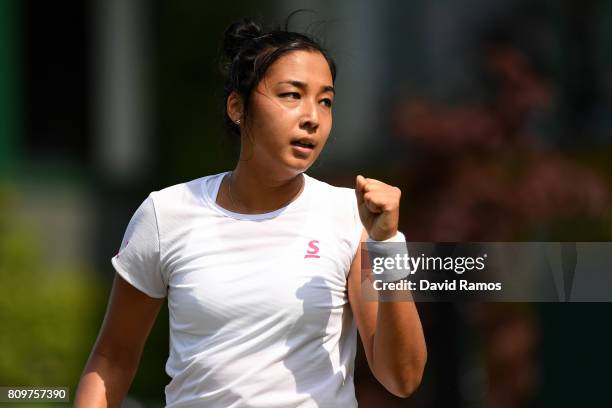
(260, 265)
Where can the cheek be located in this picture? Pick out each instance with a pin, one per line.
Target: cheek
(326, 125)
(271, 127)
(276, 123)
(270, 115)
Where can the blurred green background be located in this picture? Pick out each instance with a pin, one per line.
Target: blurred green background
(495, 119)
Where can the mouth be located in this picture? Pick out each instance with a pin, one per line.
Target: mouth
(304, 143)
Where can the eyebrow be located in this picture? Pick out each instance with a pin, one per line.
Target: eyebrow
(302, 85)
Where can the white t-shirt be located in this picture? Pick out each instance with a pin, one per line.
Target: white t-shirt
(258, 304)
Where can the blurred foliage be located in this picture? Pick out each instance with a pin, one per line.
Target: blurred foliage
(50, 314)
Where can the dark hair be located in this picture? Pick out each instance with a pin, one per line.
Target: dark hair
(249, 52)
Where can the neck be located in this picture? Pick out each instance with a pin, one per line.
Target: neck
(252, 191)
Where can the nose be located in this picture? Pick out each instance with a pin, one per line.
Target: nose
(310, 116)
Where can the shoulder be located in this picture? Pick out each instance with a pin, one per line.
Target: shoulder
(186, 193)
(175, 206)
(339, 194)
(340, 202)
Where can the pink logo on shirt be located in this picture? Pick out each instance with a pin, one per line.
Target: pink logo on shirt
(313, 250)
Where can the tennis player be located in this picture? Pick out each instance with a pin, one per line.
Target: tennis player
(260, 265)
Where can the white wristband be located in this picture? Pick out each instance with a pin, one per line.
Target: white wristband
(390, 248)
(398, 237)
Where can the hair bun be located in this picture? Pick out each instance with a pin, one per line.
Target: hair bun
(237, 34)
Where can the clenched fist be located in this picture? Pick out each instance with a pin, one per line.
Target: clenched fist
(378, 207)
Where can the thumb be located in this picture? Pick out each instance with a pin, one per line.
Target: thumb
(360, 183)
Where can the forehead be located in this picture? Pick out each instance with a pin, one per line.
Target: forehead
(310, 67)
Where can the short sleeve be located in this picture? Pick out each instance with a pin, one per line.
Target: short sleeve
(356, 225)
(138, 259)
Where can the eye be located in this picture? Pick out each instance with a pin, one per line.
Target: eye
(290, 95)
(327, 102)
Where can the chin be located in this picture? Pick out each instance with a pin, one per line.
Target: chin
(296, 168)
(297, 164)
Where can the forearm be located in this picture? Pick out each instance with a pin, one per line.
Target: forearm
(105, 382)
(399, 350)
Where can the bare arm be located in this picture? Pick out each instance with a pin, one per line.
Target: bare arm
(391, 331)
(391, 334)
(114, 359)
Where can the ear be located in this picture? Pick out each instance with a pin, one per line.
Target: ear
(235, 107)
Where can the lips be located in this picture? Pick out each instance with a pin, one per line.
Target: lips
(304, 143)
